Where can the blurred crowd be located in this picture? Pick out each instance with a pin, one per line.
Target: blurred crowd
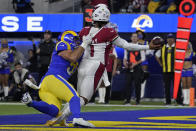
(115, 6)
(23, 6)
(151, 6)
(15, 69)
(137, 6)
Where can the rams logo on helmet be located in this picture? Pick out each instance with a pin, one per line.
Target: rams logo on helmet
(70, 37)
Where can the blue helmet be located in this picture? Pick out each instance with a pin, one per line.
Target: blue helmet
(70, 37)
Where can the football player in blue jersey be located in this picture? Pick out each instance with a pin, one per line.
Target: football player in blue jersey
(54, 87)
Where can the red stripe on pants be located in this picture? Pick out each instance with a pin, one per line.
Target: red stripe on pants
(92, 50)
(98, 75)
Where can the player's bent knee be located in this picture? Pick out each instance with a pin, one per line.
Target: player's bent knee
(74, 102)
(75, 98)
(54, 111)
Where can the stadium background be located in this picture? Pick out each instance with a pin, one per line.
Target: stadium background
(147, 116)
(19, 28)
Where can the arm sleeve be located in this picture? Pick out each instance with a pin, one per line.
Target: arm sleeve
(129, 46)
(158, 54)
(82, 33)
(149, 52)
(143, 55)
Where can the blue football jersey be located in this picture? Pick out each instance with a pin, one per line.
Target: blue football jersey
(60, 66)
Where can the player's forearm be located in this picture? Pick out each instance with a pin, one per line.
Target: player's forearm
(70, 55)
(129, 46)
(76, 54)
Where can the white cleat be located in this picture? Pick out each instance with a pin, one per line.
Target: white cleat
(80, 122)
(26, 99)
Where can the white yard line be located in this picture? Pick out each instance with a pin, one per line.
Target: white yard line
(8, 103)
(110, 105)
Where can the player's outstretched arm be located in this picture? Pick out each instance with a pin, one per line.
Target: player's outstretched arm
(134, 47)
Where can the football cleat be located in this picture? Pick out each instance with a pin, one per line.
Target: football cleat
(53, 122)
(60, 119)
(63, 123)
(80, 122)
(26, 99)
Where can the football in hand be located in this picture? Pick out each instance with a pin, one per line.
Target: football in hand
(157, 40)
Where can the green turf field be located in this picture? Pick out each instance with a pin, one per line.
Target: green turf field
(145, 116)
(17, 109)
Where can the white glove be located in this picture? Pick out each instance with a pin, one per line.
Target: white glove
(86, 40)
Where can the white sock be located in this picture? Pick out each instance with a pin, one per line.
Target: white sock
(6, 90)
(188, 96)
(103, 97)
(66, 109)
(143, 88)
(184, 96)
(82, 102)
(101, 94)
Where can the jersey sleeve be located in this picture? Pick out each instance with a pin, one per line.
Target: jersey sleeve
(129, 46)
(83, 32)
(60, 46)
(112, 34)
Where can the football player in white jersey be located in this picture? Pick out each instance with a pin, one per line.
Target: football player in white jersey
(92, 66)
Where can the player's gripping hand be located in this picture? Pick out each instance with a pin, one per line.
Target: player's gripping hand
(155, 46)
(86, 40)
(156, 43)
